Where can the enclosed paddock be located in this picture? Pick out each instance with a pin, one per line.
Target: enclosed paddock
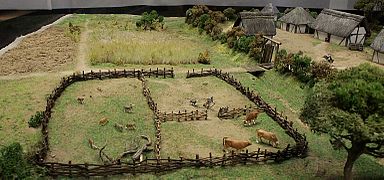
(340, 28)
(296, 21)
(378, 48)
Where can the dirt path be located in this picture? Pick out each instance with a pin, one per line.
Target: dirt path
(316, 49)
(82, 50)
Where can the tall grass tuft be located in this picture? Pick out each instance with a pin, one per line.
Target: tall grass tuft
(139, 47)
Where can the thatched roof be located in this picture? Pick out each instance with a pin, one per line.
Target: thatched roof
(297, 16)
(270, 9)
(378, 43)
(336, 22)
(256, 23)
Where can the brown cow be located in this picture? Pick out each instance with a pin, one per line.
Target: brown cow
(80, 100)
(250, 118)
(271, 137)
(236, 144)
(103, 121)
(92, 144)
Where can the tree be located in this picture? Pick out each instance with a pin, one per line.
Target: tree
(230, 13)
(368, 6)
(349, 106)
(12, 162)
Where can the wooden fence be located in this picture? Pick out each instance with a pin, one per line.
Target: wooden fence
(227, 113)
(164, 165)
(300, 139)
(43, 145)
(159, 165)
(183, 116)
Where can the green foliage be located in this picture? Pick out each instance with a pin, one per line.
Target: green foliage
(150, 21)
(230, 13)
(243, 43)
(204, 58)
(36, 119)
(349, 107)
(302, 67)
(367, 5)
(12, 162)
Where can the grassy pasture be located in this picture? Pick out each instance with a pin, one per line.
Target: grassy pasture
(187, 139)
(72, 124)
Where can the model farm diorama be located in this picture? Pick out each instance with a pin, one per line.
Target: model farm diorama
(215, 94)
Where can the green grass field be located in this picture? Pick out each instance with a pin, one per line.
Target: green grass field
(72, 124)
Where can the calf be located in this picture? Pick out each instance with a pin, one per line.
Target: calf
(236, 144)
(193, 102)
(271, 137)
(130, 126)
(103, 121)
(128, 108)
(250, 118)
(92, 144)
(119, 127)
(80, 100)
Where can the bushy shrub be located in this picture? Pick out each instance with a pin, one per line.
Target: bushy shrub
(204, 58)
(301, 67)
(193, 14)
(243, 44)
(230, 13)
(217, 16)
(150, 21)
(216, 32)
(12, 162)
(36, 119)
(321, 70)
(256, 47)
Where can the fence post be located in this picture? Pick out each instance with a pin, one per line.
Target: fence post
(173, 74)
(197, 161)
(188, 74)
(86, 170)
(164, 73)
(258, 152)
(70, 168)
(246, 157)
(210, 159)
(206, 114)
(223, 162)
(83, 74)
(185, 115)
(150, 72)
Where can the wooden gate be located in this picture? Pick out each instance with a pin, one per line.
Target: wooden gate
(267, 53)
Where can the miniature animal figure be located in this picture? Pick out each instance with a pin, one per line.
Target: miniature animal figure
(328, 58)
(193, 102)
(80, 100)
(99, 89)
(209, 103)
(130, 126)
(128, 108)
(222, 110)
(103, 121)
(92, 144)
(236, 144)
(250, 118)
(271, 137)
(119, 127)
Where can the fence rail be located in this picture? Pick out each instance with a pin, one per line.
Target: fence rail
(183, 116)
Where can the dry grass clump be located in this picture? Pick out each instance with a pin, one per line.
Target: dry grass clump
(140, 47)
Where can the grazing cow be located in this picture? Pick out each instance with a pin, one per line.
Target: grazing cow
(271, 137)
(209, 103)
(80, 100)
(130, 126)
(103, 121)
(128, 108)
(222, 110)
(99, 89)
(250, 118)
(236, 144)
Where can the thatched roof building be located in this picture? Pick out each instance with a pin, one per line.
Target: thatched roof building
(378, 47)
(336, 22)
(378, 43)
(341, 25)
(296, 21)
(297, 16)
(270, 9)
(256, 23)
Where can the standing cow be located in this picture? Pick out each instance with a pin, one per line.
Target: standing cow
(271, 137)
(236, 144)
(250, 118)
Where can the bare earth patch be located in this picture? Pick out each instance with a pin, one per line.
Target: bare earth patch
(48, 51)
(316, 49)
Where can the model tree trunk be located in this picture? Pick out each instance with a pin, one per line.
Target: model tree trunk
(353, 154)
